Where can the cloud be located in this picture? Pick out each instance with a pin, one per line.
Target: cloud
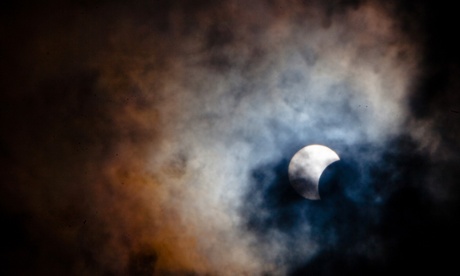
(155, 138)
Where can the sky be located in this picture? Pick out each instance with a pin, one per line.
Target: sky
(154, 138)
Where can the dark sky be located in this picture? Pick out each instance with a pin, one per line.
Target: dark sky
(154, 138)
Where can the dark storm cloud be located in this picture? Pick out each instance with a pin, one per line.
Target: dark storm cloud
(154, 138)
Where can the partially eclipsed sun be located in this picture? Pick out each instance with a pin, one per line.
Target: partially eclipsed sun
(306, 167)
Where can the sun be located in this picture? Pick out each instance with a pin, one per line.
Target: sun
(306, 167)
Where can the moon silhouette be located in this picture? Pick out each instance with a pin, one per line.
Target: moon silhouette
(306, 167)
